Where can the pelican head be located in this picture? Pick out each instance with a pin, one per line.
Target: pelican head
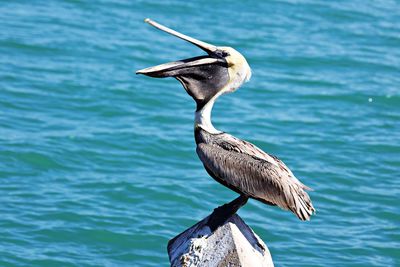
(222, 70)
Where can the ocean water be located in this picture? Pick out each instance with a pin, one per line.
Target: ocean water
(98, 165)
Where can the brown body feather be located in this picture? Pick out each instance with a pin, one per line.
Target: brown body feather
(248, 170)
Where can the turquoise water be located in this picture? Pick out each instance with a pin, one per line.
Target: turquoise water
(98, 165)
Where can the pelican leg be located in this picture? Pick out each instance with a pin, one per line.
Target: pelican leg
(221, 214)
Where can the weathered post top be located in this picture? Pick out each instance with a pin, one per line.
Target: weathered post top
(232, 244)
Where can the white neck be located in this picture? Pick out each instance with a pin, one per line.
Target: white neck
(203, 117)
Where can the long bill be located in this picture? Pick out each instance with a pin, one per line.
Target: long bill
(202, 76)
(209, 48)
(175, 68)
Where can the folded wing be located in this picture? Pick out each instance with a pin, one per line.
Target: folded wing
(247, 169)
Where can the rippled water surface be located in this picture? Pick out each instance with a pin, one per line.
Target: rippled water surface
(98, 165)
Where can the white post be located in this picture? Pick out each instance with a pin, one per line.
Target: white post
(232, 244)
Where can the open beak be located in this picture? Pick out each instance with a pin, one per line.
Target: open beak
(172, 69)
(202, 77)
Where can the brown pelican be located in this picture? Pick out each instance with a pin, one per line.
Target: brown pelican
(237, 164)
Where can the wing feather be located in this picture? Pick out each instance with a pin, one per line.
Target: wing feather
(249, 170)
